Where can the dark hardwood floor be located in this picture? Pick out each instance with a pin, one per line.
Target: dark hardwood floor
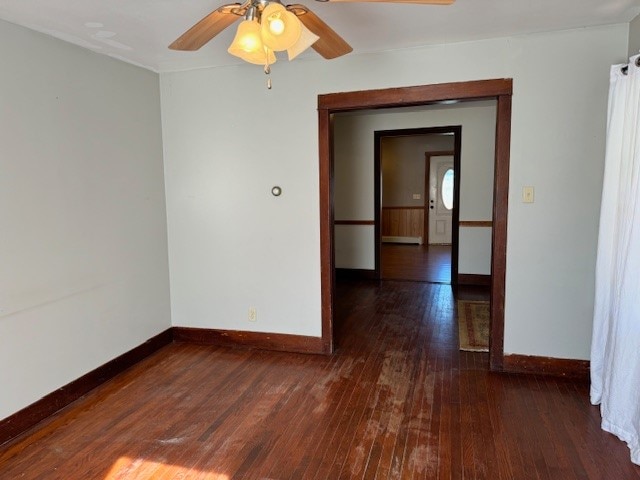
(422, 263)
(396, 401)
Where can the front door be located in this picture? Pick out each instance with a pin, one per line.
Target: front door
(440, 200)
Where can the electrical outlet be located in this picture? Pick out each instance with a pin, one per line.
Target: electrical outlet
(417, 196)
(253, 314)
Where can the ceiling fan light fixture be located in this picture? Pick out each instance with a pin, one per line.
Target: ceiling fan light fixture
(263, 57)
(248, 45)
(307, 38)
(281, 29)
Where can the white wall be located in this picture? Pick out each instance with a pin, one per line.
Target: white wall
(354, 245)
(83, 254)
(228, 140)
(354, 175)
(634, 36)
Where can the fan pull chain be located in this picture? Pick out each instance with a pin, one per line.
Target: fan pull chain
(267, 71)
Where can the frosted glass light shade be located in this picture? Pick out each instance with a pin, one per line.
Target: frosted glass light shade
(281, 29)
(307, 38)
(248, 45)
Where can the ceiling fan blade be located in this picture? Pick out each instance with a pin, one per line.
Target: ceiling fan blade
(330, 44)
(421, 2)
(207, 28)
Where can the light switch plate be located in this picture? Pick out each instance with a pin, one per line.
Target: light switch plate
(527, 194)
(417, 196)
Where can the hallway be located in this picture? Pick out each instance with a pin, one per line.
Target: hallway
(422, 263)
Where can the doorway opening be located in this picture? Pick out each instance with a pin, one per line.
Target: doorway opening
(417, 203)
(329, 104)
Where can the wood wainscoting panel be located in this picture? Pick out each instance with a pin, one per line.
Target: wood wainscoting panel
(558, 367)
(403, 222)
(33, 414)
(234, 338)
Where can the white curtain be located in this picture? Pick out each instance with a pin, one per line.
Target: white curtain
(615, 351)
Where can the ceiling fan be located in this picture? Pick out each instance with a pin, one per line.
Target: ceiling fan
(270, 26)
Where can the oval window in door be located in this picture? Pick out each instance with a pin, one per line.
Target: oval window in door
(447, 189)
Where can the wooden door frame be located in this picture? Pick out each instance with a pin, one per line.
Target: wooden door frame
(456, 130)
(328, 104)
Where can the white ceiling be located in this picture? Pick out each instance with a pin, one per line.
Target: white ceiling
(138, 31)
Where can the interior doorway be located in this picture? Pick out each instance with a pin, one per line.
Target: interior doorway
(417, 203)
(499, 90)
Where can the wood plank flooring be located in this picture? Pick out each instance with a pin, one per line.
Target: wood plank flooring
(422, 263)
(396, 401)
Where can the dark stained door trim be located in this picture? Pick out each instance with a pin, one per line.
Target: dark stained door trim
(498, 89)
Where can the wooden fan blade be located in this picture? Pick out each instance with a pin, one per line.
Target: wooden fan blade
(206, 29)
(420, 2)
(330, 44)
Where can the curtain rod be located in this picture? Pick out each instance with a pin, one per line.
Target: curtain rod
(625, 69)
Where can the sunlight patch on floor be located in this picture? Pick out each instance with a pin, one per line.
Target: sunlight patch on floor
(126, 467)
